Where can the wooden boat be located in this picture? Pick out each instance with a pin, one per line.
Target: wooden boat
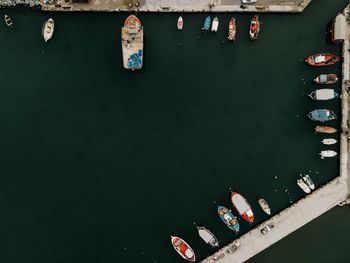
(184, 250)
(207, 236)
(325, 129)
(254, 28)
(327, 154)
(322, 115)
(308, 181)
(322, 60)
(48, 29)
(228, 218)
(207, 23)
(326, 79)
(180, 23)
(215, 25)
(329, 141)
(264, 206)
(232, 29)
(303, 186)
(8, 20)
(323, 94)
(242, 206)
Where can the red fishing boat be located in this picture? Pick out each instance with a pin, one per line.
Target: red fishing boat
(232, 29)
(254, 28)
(184, 250)
(322, 60)
(242, 206)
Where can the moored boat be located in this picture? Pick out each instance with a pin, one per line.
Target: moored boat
(327, 154)
(326, 79)
(308, 181)
(303, 186)
(329, 141)
(184, 250)
(232, 29)
(264, 206)
(8, 20)
(228, 218)
(215, 25)
(321, 60)
(48, 29)
(242, 207)
(322, 115)
(207, 236)
(325, 129)
(132, 43)
(254, 28)
(323, 94)
(207, 23)
(180, 23)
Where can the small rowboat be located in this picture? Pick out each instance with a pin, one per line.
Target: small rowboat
(228, 218)
(303, 186)
(326, 79)
(48, 29)
(321, 60)
(207, 236)
(254, 28)
(325, 129)
(180, 23)
(264, 206)
(8, 20)
(327, 154)
(329, 141)
(232, 29)
(215, 25)
(322, 115)
(323, 94)
(309, 182)
(184, 250)
(207, 23)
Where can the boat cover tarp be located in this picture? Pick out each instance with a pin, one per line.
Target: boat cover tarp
(323, 78)
(321, 115)
(206, 236)
(339, 27)
(324, 94)
(320, 59)
(240, 203)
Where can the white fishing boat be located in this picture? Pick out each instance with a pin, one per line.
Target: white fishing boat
(303, 186)
(207, 236)
(329, 141)
(48, 29)
(215, 25)
(323, 94)
(327, 154)
(308, 181)
(8, 20)
(264, 205)
(180, 23)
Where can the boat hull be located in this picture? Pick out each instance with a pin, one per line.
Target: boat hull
(303, 186)
(322, 60)
(207, 236)
(325, 129)
(183, 249)
(180, 23)
(48, 29)
(326, 79)
(323, 94)
(207, 23)
(228, 218)
(327, 154)
(329, 141)
(232, 30)
(215, 25)
(254, 28)
(264, 206)
(322, 115)
(242, 206)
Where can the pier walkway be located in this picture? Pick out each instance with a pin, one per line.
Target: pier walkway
(293, 6)
(313, 205)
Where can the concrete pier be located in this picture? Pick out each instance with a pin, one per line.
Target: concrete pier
(313, 205)
(293, 6)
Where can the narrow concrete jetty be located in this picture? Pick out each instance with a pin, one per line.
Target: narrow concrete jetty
(336, 192)
(291, 6)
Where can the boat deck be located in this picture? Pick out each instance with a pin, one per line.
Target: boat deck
(132, 46)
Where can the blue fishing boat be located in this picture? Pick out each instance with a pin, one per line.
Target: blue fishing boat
(207, 23)
(228, 218)
(322, 115)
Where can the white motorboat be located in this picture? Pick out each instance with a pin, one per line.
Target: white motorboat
(48, 29)
(323, 94)
(308, 181)
(215, 25)
(264, 205)
(8, 20)
(327, 154)
(329, 141)
(303, 186)
(248, 1)
(180, 23)
(207, 236)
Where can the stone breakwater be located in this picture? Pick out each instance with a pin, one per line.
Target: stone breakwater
(8, 3)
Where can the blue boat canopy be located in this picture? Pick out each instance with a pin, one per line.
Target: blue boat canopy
(322, 115)
(323, 78)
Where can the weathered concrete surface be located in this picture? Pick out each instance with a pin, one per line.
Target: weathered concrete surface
(179, 6)
(313, 205)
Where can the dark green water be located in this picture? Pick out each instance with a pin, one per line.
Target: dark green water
(102, 165)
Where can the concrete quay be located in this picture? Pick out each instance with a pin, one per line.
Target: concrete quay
(290, 6)
(336, 192)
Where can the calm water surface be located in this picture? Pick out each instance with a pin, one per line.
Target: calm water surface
(102, 165)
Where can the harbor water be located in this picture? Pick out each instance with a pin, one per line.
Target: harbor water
(102, 165)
